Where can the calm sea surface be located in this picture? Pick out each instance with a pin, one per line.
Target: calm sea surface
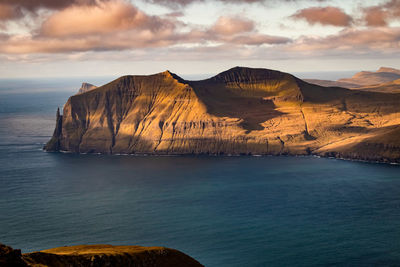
(223, 211)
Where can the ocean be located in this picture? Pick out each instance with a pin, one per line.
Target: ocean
(223, 211)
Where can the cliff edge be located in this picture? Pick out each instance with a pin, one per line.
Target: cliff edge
(239, 111)
(97, 255)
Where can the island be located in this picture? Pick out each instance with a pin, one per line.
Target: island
(241, 111)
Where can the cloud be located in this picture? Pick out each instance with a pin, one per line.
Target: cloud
(8, 12)
(16, 10)
(381, 15)
(34, 5)
(175, 14)
(372, 16)
(259, 39)
(232, 25)
(175, 3)
(371, 43)
(394, 6)
(182, 3)
(324, 15)
(29, 45)
(234, 31)
(104, 26)
(354, 40)
(118, 25)
(375, 16)
(103, 18)
(26, 12)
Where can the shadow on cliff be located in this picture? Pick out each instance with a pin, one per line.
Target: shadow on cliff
(222, 101)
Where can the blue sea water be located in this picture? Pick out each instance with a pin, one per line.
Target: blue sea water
(223, 211)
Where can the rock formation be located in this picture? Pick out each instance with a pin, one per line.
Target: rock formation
(366, 78)
(96, 256)
(389, 87)
(378, 81)
(329, 83)
(239, 111)
(86, 87)
(386, 69)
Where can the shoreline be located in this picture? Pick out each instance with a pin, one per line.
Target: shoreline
(383, 161)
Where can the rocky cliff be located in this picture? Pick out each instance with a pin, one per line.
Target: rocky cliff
(96, 256)
(239, 111)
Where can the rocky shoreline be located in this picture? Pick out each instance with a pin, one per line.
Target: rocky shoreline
(332, 155)
(96, 256)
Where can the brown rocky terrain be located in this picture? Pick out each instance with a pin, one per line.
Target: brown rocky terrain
(366, 78)
(389, 87)
(391, 70)
(329, 83)
(239, 111)
(96, 256)
(383, 80)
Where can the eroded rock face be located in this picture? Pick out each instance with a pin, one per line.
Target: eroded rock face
(239, 111)
(97, 255)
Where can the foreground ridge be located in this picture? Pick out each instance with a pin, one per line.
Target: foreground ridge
(97, 255)
(239, 111)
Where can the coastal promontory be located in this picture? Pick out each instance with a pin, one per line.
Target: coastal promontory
(239, 111)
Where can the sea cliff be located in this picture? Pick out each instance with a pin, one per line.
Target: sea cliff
(239, 111)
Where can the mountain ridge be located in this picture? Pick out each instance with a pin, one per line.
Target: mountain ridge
(377, 81)
(239, 111)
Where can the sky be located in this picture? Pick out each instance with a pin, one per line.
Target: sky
(62, 38)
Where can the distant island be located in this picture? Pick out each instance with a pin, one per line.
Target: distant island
(242, 111)
(97, 255)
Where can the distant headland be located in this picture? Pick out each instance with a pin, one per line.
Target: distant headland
(240, 111)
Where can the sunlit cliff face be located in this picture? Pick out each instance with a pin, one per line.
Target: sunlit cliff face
(209, 35)
(239, 111)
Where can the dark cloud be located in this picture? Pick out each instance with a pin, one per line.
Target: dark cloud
(12, 10)
(33, 5)
(9, 12)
